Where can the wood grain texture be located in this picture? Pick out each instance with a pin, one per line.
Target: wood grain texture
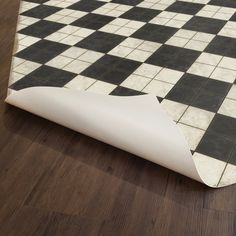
(54, 181)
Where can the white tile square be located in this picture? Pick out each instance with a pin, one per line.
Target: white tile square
(80, 83)
(228, 108)
(135, 82)
(201, 69)
(208, 58)
(197, 117)
(174, 109)
(91, 56)
(232, 92)
(83, 32)
(139, 55)
(69, 29)
(56, 37)
(120, 51)
(224, 75)
(109, 28)
(196, 45)
(135, 24)
(131, 42)
(74, 52)
(175, 23)
(14, 76)
(169, 75)
(177, 41)
(59, 61)
(71, 40)
(205, 37)
(148, 70)
(26, 67)
(28, 41)
(77, 66)
(192, 135)
(101, 87)
(228, 63)
(187, 34)
(210, 169)
(124, 31)
(158, 88)
(149, 46)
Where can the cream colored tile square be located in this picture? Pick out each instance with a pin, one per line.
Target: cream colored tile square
(169, 75)
(232, 92)
(196, 45)
(177, 41)
(101, 87)
(210, 169)
(228, 63)
(74, 52)
(91, 56)
(224, 75)
(197, 118)
(120, 51)
(149, 46)
(201, 69)
(131, 42)
(148, 70)
(174, 109)
(139, 55)
(208, 58)
(136, 82)
(26, 67)
(59, 61)
(228, 108)
(192, 135)
(77, 66)
(80, 83)
(158, 88)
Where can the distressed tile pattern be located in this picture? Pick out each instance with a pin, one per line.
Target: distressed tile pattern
(183, 52)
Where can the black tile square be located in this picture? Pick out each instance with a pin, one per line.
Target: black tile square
(93, 21)
(204, 24)
(223, 3)
(186, 89)
(41, 11)
(42, 28)
(211, 95)
(217, 87)
(174, 57)
(185, 7)
(128, 2)
(44, 76)
(101, 41)
(86, 5)
(224, 126)
(207, 101)
(140, 14)
(216, 146)
(42, 51)
(155, 33)
(224, 46)
(122, 91)
(111, 69)
(233, 18)
(232, 159)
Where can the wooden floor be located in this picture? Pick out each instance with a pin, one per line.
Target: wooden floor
(54, 181)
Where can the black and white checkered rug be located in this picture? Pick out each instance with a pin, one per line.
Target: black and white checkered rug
(184, 52)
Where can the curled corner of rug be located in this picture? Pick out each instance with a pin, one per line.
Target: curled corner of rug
(135, 124)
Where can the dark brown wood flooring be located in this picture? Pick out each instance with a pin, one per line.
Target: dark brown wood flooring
(54, 181)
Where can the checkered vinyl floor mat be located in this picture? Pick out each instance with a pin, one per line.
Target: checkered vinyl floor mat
(183, 52)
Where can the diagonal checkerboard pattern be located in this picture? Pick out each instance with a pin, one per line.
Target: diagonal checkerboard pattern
(183, 52)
